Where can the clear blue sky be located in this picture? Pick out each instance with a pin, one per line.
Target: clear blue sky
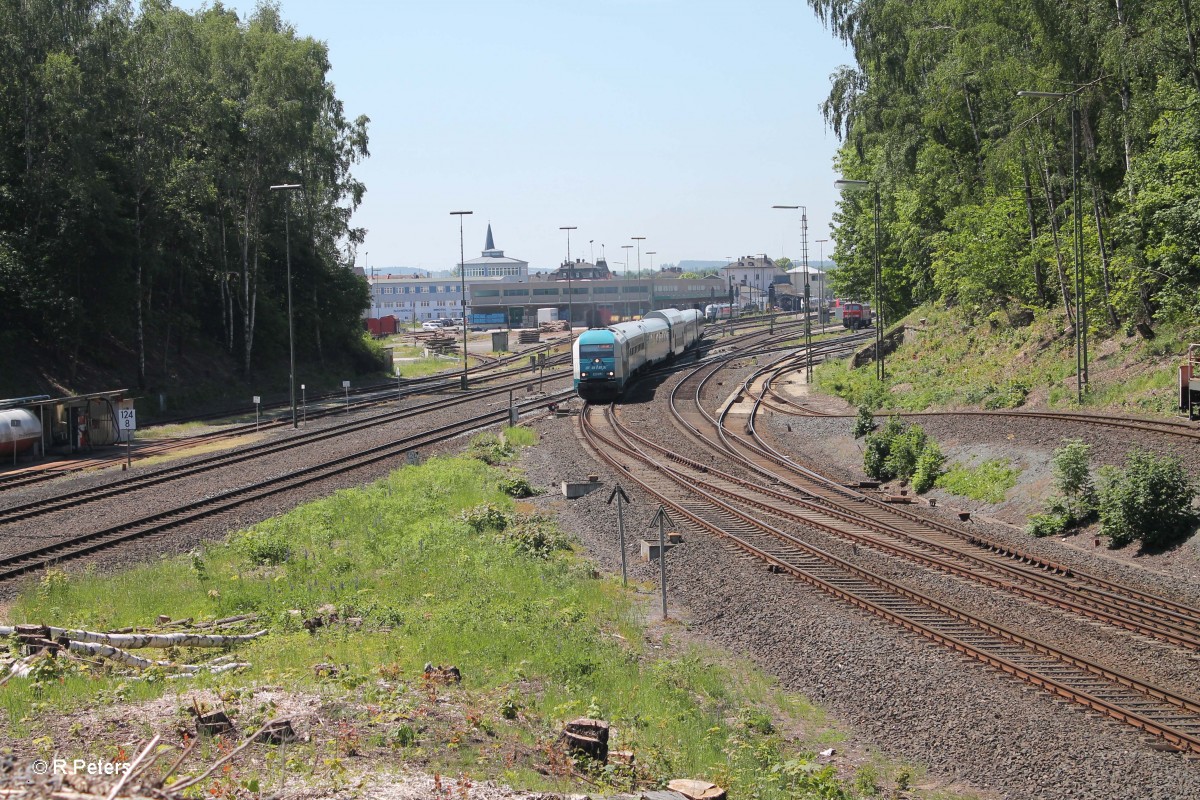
(683, 121)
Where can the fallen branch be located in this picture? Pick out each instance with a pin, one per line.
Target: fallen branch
(134, 641)
(137, 662)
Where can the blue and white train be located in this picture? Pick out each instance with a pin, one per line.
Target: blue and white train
(606, 359)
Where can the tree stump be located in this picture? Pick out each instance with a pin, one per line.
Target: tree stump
(587, 737)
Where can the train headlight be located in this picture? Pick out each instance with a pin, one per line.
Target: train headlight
(610, 373)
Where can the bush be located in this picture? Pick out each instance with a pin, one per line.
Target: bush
(1149, 500)
(486, 517)
(490, 449)
(1041, 525)
(904, 451)
(265, 544)
(929, 467)
(1073, 479)
(864, 423)
(517, 487)
(533, 536)
(896, 450)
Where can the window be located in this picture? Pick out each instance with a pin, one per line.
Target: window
(488, 293)
(605, 290)
(406, 288)
(545, 291)
(579, 290)
(516, 293)
(424, 303)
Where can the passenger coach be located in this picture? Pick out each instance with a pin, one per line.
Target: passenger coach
(606, 359)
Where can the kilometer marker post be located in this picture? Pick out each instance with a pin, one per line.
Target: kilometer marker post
(622, 498)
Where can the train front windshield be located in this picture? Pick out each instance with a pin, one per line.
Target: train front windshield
(596, 359)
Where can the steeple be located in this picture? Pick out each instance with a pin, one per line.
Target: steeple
(489, 245)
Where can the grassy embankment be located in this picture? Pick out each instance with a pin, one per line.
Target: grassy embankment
(953, 362)
(950, 362)
(440, 566)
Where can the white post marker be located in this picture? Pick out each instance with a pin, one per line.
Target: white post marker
(304, 405)
(346, 386)
(621, 498)
(661, 518)
(257, 400)
(128, 420)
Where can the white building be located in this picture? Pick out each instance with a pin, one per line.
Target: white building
(750, 277)
(492, 263)
(415, 298)
(412, 298)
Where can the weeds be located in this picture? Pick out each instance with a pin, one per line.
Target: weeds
(988, 482)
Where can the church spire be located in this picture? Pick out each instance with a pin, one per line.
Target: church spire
(489, 244)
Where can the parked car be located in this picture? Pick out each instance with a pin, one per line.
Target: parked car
(431, 325)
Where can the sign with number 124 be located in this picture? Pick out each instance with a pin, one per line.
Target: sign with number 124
(127, 418)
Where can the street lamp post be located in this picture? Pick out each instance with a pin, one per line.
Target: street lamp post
(880, 369)
(625, 288)
(651, 253)
(287, 234)
(1081, 356)
(821, 284)
(462, 279)
(807, 289)
(639, 240)
(570, 293)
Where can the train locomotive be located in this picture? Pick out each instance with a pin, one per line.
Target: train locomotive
(606, 359)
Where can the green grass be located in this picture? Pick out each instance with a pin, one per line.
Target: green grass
(988, 482)
(530, 626)
(520, 436)
(964, 361)
(173, 431)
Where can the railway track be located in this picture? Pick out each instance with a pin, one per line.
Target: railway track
(863, 520)
(377, 397)
(1168, 715)
(80, 497)
(19, 564)
(1088, 594)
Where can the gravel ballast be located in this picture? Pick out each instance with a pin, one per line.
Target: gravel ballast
(963, 721)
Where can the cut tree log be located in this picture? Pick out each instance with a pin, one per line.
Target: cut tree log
(134, 641)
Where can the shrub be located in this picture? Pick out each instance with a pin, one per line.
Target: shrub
(1073, 479)
(490, 449)
(1149, 500)
(1011, 396)
(533, 536)
(864, 423)
(904, 451)
(486, 517)
(517, 487)
(264, 544)
(929, 467)
(893, 451)
(875, 456)
(1041, 525)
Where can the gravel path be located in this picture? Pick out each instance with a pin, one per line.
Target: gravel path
(963, 721)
